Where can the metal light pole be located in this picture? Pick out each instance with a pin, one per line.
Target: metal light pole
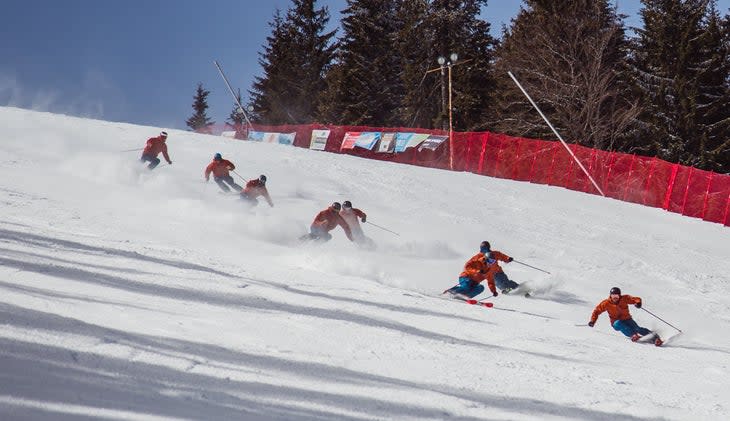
(443, 65)
(449, 63)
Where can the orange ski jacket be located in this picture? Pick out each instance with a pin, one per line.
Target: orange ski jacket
(255, 188)
(154, 146)
(328, 219)
(618, 311)
(219, 168)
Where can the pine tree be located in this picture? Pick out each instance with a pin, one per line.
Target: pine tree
(713, 148)
(414, 44)
(294, 62)
(456, 28)
(364, 86)
(199, 121)
(682, 76)
(236, 118)
(571, 57)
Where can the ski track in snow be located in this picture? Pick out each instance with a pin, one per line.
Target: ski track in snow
(137, 295)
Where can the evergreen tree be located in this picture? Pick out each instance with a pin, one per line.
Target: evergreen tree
(414, 44)
(199, 121)
(713, 148)
(455, 27)
(364, 87)
(682, 75)
(236, 118)
(571, 57)
(294, 62)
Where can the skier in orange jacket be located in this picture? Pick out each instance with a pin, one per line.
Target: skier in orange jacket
(350, 215)
(255, 188)
(481, 266)
(220, 168)
(152, 148)
(617, 306)
(495, 273)
(326, 221)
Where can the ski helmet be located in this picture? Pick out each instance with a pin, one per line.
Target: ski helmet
(615, 290)
(336, 206)
(163, 134)
(484, 247)
(262, 178)
(217, 157)
(346, 204)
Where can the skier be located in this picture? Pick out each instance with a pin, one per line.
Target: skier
(481, 266)
(255, 188)
(220, 168)
(495, 271)
(152, 148)
(326, 221)
(350, 215)
(617, 306)
(475, 271)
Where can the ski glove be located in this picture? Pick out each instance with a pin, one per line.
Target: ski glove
(638, 305)
(363, 219)
(494, 293)
(591, 324)
(510, 259)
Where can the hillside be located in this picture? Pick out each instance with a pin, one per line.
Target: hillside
(136, 295)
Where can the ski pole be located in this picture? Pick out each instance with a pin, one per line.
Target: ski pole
(239, 175)
(525, 264)
(382, 228)
(659, 318)
(131, 150)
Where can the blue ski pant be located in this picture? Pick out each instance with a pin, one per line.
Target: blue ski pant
(221, 181)
(467, 287)
(319, 234)
(501, 281)
(152, 160)
(251, 201)
(628, 327)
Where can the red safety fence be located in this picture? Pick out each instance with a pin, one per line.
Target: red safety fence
(632, 178)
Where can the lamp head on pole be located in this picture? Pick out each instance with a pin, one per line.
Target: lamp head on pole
(441, 60)
(454, 57)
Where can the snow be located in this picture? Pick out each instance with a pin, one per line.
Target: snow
(137, 295)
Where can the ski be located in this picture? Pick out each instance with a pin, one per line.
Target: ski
(479, 303)
(651, 338)
(470, 301)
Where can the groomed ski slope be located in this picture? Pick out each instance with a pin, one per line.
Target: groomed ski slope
(132, 295)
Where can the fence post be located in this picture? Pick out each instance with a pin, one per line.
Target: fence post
(483, 154)
(707, 195)
(534, 159)
(516, 159)
(628, 177)
(670, 187)
(552, 164)
(648, 180)
(686, 190)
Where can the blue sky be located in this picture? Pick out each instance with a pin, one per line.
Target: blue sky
(139, 61)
